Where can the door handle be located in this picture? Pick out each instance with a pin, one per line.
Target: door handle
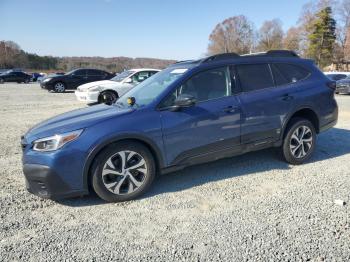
(230, 109)
(287, 97)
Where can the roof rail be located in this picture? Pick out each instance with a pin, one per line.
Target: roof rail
(184, 61)
(271, 53)
(220, 57)
(275, 53)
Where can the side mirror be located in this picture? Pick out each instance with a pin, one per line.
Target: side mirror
(128, 81)
(182, 101)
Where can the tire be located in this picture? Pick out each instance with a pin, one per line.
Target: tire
(112, 182)
(2, 81)
(59, 87)
(108, 97)
(26, 81)
(299, 141)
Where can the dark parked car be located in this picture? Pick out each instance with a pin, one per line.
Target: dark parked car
(73, 79)
(336, 76)
(343, 86)
(14, 76)
(190, 113)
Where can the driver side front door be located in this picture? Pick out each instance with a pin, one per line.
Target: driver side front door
(208, 130)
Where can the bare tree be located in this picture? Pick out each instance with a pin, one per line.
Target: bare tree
(292, 39)
(343, 29)
(270, 35)
(11, 54)
(235, 34)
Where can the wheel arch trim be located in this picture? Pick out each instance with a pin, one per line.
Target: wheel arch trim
(296, 110)
(155, 150)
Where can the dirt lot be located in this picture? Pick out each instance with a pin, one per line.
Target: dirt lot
(251, 207)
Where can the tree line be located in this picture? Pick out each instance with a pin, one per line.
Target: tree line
(12, 56)
(322, 33)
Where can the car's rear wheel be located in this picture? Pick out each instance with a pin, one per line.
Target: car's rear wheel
(59, 87)
(299, 142)
(123, 171)
(1, 81)
(108, 97)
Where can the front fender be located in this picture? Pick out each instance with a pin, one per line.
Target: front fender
(95, 150)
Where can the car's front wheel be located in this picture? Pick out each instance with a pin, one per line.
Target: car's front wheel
(123, 171)
(2, 81)
(299, 142)
(59, 87)
(108, 97)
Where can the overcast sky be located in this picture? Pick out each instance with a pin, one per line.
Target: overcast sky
(177, 29)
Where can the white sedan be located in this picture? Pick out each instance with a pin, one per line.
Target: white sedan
(108, 91)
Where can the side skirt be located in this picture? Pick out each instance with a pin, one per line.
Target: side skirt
(219, 154)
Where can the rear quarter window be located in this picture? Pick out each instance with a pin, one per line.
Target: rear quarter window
(288, 73)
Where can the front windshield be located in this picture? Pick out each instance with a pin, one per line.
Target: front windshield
(147, 91)
(120, 77)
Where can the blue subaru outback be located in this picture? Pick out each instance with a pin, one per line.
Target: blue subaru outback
(191, 112)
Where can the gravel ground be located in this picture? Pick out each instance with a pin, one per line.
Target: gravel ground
(251, 207)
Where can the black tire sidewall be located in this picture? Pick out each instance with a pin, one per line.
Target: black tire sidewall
(286, 149)
(101, 159)
(109, 93)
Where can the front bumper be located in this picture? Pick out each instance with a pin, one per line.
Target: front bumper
(46, 85)
(42, 181)
(87, 97)
(343, 89)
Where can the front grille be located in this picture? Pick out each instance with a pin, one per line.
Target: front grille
(342, 85)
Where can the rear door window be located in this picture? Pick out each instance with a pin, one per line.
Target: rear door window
(81, 72)
(287, 73)
(93, 72)
(254, 77)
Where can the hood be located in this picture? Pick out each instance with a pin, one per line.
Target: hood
(74, 120)
(102, 83)
(344, 81)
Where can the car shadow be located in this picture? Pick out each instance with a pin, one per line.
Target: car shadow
(65, 92)
(331, 144)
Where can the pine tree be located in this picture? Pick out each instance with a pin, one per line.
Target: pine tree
(322, 38)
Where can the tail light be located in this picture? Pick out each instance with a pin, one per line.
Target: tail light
(332, 85)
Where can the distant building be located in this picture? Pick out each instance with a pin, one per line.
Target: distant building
(339, 66)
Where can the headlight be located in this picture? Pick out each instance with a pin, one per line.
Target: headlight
(53, 143)
(46, 80)
(95, 88)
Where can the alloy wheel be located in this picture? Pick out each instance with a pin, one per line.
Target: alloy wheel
(301, 142)
(124, 172)
(59, 87)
